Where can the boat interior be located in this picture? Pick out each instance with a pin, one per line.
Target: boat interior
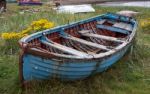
(94, 37)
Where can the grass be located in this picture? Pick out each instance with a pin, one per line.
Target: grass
(129, 75)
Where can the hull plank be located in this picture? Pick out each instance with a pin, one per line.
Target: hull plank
(66, 71)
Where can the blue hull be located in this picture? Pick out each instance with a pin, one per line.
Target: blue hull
(37, 68)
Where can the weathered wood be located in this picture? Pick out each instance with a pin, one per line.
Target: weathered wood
(88, 43)
(113, 29)
(123, 26)
(47, 54)
(101, 21)
(64, 48)
(88, 34)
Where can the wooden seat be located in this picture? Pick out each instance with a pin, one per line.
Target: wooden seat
(113, 29)
(87, 42)
(101, 21)
(63, 48)
(88, 34)
(123, 26)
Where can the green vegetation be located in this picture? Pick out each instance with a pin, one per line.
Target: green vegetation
(131, 75)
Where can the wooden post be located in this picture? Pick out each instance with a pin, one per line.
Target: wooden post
(57, 2)
(3, 5)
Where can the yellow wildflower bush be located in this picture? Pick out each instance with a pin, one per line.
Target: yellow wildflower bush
(27, 30)
(11, 38)
(12, 35)
(34, 26)
(41, 24)
(145, 24)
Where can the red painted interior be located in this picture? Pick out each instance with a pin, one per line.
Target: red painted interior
(74, 32)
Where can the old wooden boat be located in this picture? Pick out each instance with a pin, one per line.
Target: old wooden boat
(77, 50)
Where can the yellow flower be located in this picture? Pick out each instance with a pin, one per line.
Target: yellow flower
(145, 22)
(41, 24)
(24, 31)
(4, 35)
(12, 35)
(29, 29)
(48, 25)
(34, 26)
(21, 35)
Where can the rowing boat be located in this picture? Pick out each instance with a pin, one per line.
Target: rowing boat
(77, 50)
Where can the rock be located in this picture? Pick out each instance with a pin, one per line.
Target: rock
(22, 12)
